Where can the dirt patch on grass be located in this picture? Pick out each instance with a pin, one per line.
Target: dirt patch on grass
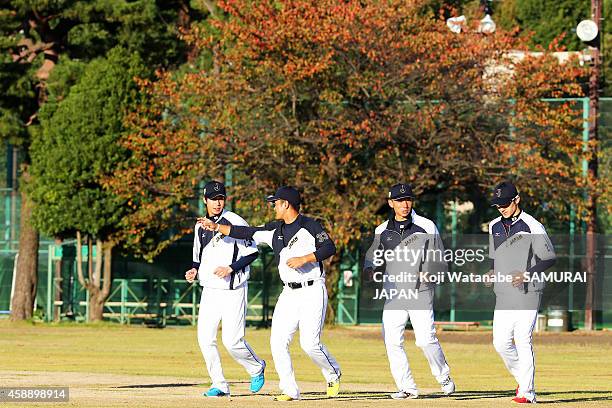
(117, 390)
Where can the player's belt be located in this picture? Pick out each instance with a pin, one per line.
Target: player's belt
(297, 285)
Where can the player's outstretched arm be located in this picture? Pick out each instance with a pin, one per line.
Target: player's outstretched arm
(213, 226)
(234, 231)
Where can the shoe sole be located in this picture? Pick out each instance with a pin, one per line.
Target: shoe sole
(410, 396)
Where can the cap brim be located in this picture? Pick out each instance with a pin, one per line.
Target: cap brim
(402, 196)
(272, 198)
(215, 196)
(500, 201)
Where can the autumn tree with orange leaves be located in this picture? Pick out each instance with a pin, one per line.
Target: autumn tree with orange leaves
(342, 100)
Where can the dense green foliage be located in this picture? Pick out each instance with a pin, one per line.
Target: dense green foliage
(78, 146)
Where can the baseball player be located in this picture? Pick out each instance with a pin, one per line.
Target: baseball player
(300, 245)
(519, 248)
(407, 228)
(222, 266)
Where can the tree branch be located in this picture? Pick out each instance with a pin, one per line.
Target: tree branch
(85, 283)
(107, 280)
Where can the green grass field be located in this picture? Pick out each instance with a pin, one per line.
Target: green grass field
(116, 366)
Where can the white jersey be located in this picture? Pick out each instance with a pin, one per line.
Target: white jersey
(302, 237)
(213, 249)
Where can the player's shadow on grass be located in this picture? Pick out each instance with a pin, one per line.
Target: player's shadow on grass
(156, 385)
(576, 399)
(473, 395)
(349, 396)
(370, 395)
(462, 395)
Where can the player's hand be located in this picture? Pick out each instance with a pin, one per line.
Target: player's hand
(210, 225)
(191, 274)
(296, 262)
(518, 278)
(223, 271)
(488, 282)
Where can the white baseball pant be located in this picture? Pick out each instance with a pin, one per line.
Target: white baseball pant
(229, 307)
(304, 309)
(394, 326)
(512, 338)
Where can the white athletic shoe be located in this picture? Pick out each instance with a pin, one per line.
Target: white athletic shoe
(448, 386)
(405, 395)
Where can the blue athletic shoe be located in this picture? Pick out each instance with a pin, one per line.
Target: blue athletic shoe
(215, 392)
(259, 380)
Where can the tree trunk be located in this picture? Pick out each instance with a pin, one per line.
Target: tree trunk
(96, 306)
(22, 304)
(98, 289)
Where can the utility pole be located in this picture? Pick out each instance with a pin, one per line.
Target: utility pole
(591, 239)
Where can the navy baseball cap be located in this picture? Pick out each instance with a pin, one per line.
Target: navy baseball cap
(287, 193)
(504, 193)
(399, 191)
(214, 189)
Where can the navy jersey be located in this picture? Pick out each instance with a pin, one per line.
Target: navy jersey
(421, 247)
(520, 244)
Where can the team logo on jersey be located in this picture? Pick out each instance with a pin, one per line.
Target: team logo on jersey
(322, 236)
(293, 241)
(216, 239)
(497, 234)
(498, 192)
(411, 239)
(248, 242)
(280, 237)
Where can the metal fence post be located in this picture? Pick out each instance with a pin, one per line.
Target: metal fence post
(50, 285)
(124, 292)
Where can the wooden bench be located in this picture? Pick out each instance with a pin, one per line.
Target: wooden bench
(463, 325)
